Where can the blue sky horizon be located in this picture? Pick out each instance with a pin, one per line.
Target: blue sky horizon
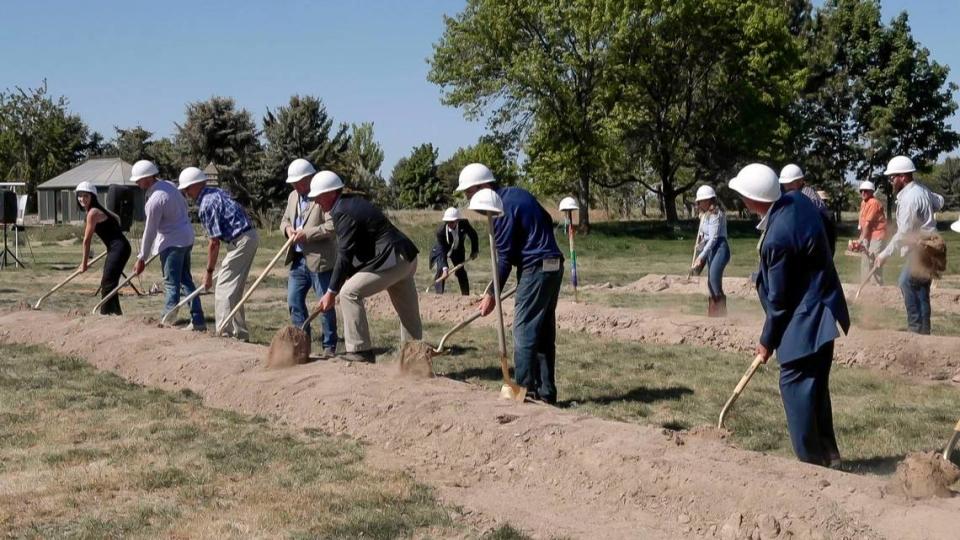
(123, 63)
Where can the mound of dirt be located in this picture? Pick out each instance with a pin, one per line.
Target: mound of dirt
(290, 346)
(922, 475)
(416, 359)
(711, 433)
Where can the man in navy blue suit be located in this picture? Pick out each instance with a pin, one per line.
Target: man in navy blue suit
(801, 294)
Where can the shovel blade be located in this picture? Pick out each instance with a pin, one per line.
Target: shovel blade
(513, 392)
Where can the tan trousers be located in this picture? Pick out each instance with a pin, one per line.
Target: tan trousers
(873, 248)
(232, 281)
(399, 284)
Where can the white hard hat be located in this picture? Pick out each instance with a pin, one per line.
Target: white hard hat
(191, 176)
(324, 181)
(955, 226)
(143, 169)
(474, 174)
(757, 182)
(298, 169)
(568, 203)
(899, 165)
(790, 173)
(867, 185)
(451, 214)
(486, 202)
(86, 187)
(705, 193)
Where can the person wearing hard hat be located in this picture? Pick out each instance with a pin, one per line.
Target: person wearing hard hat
(372, 256)
(167, 231)
(712, 249)
(225, 222)
(451, 244)
(801, 295)
(313, 253)
(873, 230)
(106, 225)
(792, 179)
(916, 209)
(525, 241)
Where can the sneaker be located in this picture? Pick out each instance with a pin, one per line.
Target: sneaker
(190, 327)
(358, 356)
(329, 352)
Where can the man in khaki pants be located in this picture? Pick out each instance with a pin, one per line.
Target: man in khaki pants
(312, 255)
(372, 256)
(225, 222)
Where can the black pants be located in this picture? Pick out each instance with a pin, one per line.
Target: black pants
(805, 390)
(118, 253)
(461, 279)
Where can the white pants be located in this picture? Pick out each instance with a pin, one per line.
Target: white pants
(399, 284)
(232, 281)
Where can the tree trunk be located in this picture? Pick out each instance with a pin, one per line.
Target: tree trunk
(669, 201)
(584, 213)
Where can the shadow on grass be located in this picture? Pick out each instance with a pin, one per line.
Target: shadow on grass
(486, 373)
(880, 465)
(642, 394)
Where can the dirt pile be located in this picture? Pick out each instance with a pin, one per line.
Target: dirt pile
(922, 475)
(416, 359)
(548, 471)
(290, 346)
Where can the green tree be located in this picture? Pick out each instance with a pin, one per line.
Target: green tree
(362, 161)
(491, 152)
(415, 181)
(132, 144)
(215, 131)
(39, 138)
(300, 129)
(944, 178)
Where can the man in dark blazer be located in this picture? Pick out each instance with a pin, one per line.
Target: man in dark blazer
(801, 294)
(372, 256)
(451, 243)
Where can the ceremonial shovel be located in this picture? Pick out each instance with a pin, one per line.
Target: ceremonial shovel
(68, 279)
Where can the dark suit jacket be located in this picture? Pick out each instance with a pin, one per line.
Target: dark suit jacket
(366, 240)
(797, 282)
(441, 250)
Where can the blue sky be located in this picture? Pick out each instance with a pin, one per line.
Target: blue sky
(128, 63)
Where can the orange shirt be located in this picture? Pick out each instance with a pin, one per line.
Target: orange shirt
(871, 215)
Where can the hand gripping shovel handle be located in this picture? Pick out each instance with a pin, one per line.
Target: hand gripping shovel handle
(441, 279)
(515, 392)
(306, 324)
(122, 284)
(186, 300)
(952, 442)
(467, 321)
(246, 295)
(757, 362)
(69, 278)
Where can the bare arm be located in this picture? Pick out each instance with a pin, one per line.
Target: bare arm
(213, 253)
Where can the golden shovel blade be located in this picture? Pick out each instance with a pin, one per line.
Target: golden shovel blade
(510, 389)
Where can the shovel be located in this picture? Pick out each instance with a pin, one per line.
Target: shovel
(573, 255)
(739, 389)
(952, 442)
(441, 279)
(864, 282)
(256, 283)
(122, 284)
(68, 279)
(186, 300)
(510, 389)
(463, 324)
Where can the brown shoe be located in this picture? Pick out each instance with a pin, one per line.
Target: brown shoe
(359, 356)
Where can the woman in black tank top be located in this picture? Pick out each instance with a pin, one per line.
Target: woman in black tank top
(106, 225)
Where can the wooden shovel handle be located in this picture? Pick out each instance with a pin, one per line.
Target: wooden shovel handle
(865, 281)
(450, 272)
(757, 362)
(256, 283)
(69, 278)
(463, 324)
(122, 284)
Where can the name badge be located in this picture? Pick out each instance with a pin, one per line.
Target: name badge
(551, 265)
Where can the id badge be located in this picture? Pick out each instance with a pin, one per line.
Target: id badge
(551, 265)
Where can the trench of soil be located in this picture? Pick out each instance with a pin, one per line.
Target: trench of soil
(550, 472)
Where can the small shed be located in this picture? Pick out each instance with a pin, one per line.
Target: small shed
(57, 202)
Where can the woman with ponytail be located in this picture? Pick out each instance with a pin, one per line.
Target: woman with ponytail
(106, 225)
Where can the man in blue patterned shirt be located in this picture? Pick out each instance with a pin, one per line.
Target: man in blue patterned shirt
(225, 221)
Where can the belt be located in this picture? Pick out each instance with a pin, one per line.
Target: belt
(239, 234)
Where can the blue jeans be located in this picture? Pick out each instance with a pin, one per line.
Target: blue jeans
(177, 280)
(717, 261)
(535, 331)
(916, 298)
(805, 390)
(299, 283)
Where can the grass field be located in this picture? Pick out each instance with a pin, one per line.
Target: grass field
(161, 464)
